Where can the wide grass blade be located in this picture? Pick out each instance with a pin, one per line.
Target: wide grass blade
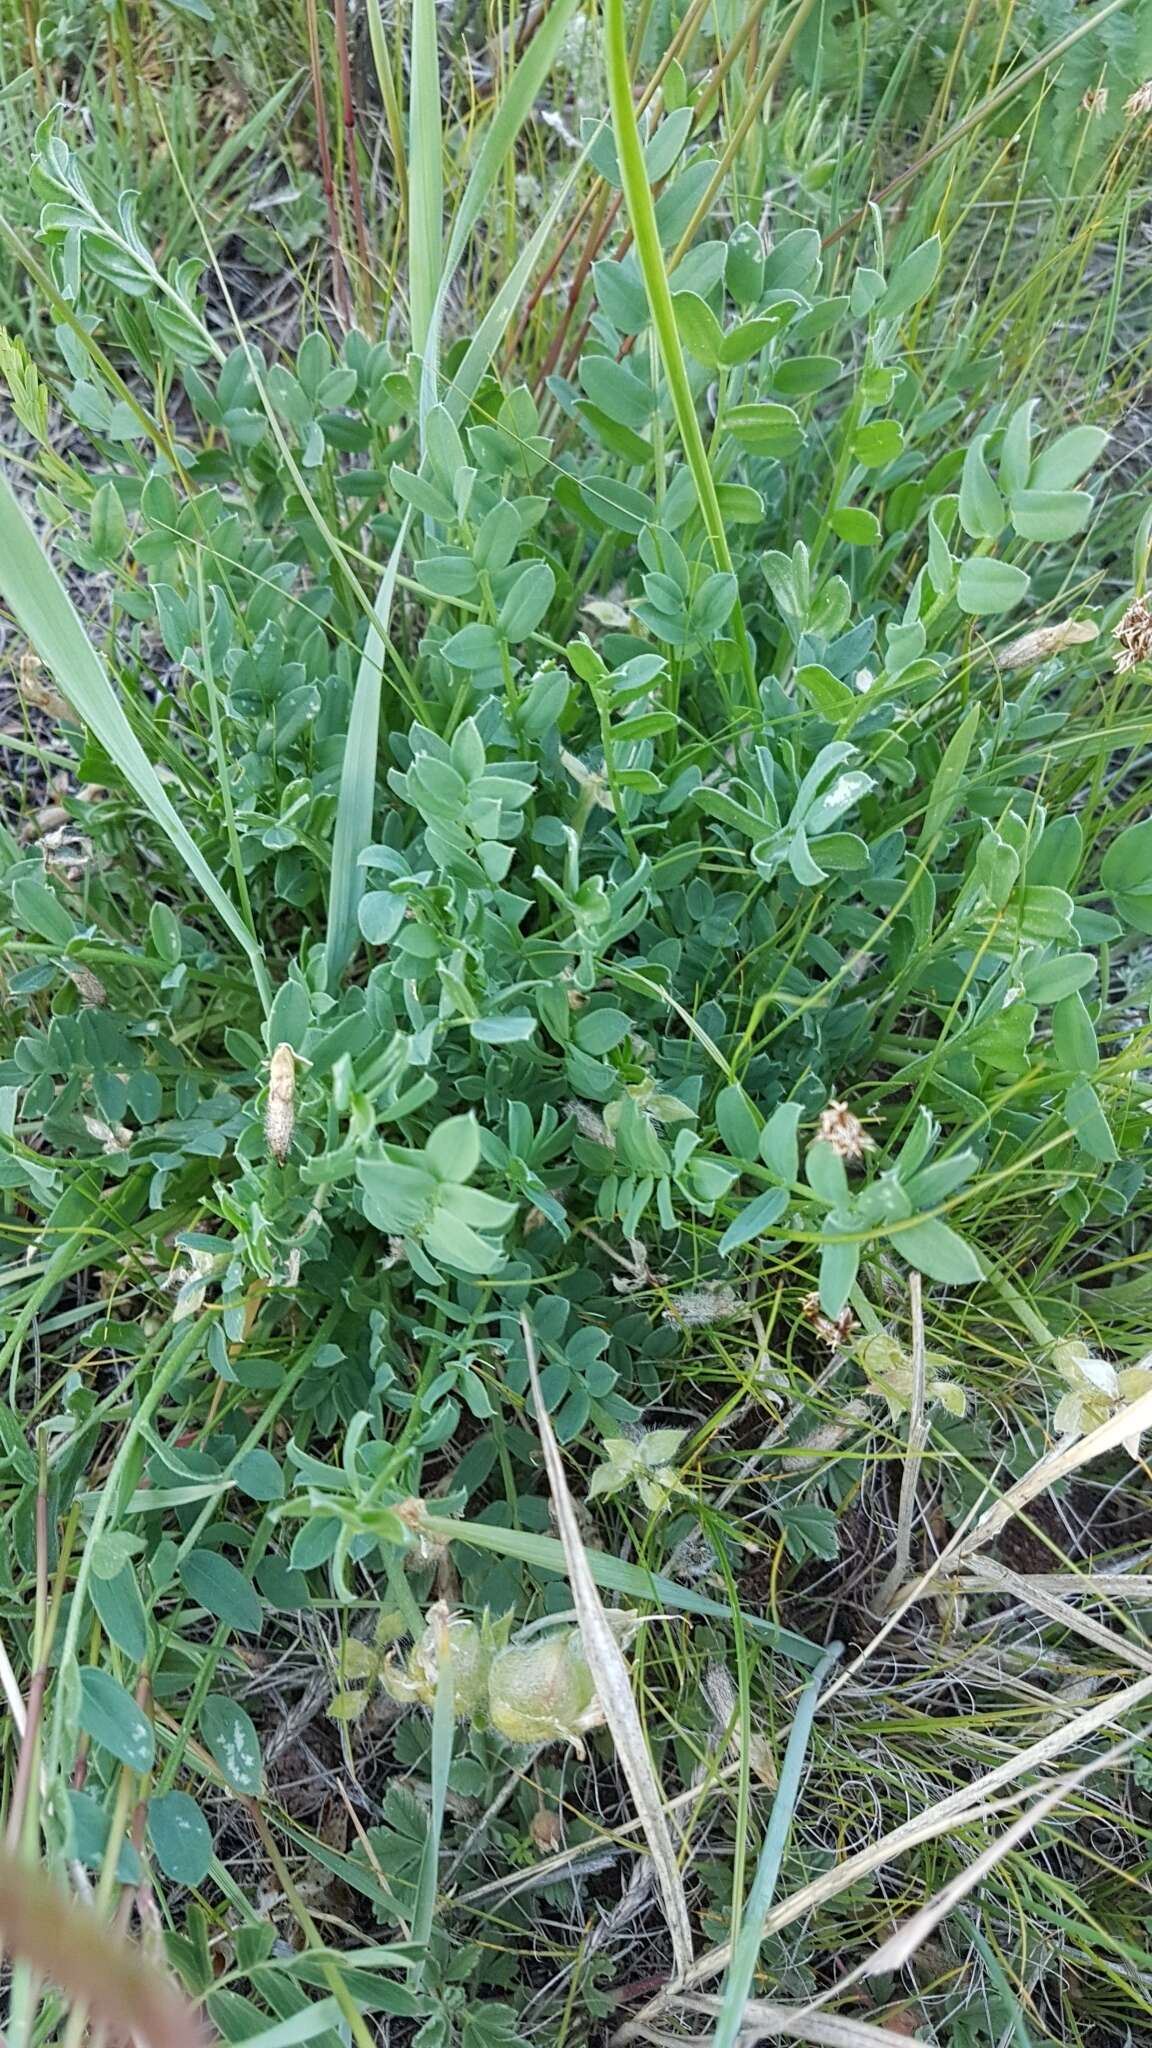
(45, 612)
(614, 1575)
(425, 173)
(650, 256)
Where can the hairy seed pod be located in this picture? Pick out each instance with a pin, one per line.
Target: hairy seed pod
(280, 1115)
(543, 1692)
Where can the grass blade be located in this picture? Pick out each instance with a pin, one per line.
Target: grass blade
(606, 1663)
(45, 612)
(746, 1950)
(429, 291)
(425, 175)
(650, 256)
(614, 1575)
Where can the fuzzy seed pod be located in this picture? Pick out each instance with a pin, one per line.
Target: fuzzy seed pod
(280, 1115)
(1044, 641)
(544, 1692)
(88, 986)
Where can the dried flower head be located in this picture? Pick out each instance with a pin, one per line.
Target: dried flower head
(1139, 102)
(447, 1635)
(589, 1123)
(835, 1330)
(546, 1830)
(843, 1130)
(1044, 641)
(36, 689)
(1134, 633)
(827, 1437)
(720, 1694)
(112, 1138)
(1095, 101)
(280, 1115)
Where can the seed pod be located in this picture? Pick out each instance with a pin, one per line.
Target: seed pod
(544, 1692)
(280, 1115)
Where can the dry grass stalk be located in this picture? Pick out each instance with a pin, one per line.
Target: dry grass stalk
(917, 1441)
(970, 1803)
(613, 1687)
(1128, 1421)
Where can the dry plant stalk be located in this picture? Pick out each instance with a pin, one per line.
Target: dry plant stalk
(83, 1955)
(606, 1663)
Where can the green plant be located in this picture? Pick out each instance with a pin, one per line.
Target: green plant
(582, 841)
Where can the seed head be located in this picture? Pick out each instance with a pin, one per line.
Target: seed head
(1139, 102)
(1134, 632)
(843, 1130)
(280, 1115)
(1095, 101)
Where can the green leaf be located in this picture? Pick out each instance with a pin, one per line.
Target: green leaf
(825, 692)
(1088, 1124)
(800, 376)
(853, 523)
(765, 429)
(258, 1474)
(1074, 1035)
(699, 328)
(112, 1718)
(453, 1149)
(755, 1220)
(526, 602)
(222, 1590)
(1065, 462)
(1126, 873)
(180, 1836)
(90, 1828)
(878, 443)
(936, 1250)
(981, 508)
(474, 647)
(987, 586)
(839, 1265)
(38, 909)
(117, 1601)
(779, 1146)
(1050, 515)
(911, 280)
(107, 524)
(232, 1742)
(827, 1176)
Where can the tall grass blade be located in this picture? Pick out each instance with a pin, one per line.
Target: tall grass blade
(613, 1686)
(425, 173)
(358, 772)
(90, 1962)
(650, 256)
(746, 1951)
(45, 612)
(614, 1575)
